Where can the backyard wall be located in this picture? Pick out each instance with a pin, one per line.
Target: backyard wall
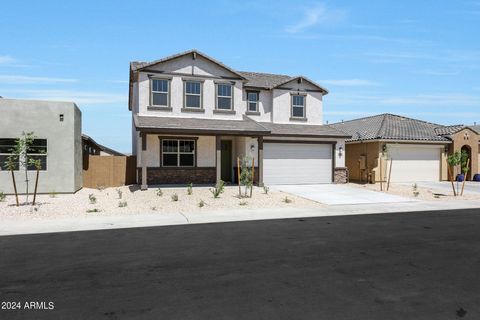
(109, 171)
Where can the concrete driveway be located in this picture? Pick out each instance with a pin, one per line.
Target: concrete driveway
(470, 186)
(334, 194)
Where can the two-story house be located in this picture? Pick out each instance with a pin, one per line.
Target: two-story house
(193, 116)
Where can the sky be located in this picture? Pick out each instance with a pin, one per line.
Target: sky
(419, 59)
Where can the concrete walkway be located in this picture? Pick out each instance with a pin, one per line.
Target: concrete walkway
(337, 194)
(244, 214)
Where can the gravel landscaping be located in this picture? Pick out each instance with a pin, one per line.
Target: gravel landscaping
(129, 200)
(423, 193)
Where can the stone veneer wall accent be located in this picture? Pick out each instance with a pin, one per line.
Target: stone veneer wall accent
(199, 175)
(340, 175)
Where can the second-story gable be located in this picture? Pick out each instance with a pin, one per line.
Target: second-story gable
(193, 85)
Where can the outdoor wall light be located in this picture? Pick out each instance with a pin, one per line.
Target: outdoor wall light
(340, 151)
(446, 149)
(252, 147)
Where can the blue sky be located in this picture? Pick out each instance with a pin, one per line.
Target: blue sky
(415, 58)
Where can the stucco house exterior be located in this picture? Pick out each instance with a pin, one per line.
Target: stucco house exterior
(57, 127)
(192, 116)
(416, 150)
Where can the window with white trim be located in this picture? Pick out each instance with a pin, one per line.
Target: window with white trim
(160, 94)
(224, 96)
(6, 150)
(252, 101)
(178, 153)
(298, 106)
(193, 94)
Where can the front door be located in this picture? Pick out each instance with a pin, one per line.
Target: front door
(226, 146)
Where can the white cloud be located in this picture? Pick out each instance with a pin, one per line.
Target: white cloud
(10, 79)
(79, 97)
(6, 60)
(319, 14)
(349, 82)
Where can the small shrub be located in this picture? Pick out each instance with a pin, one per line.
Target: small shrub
(190, 189)
(93, 210)
(266, 189)
(415, 190)
(100, 187)
(243, 203)
(201, 204)
(122, 204)
(174, 197)
(2, 196)
(287, 200)
(153, 208)
(219, 189)
(159, 192)
(119, 193)
(53, 194)
(92, 198)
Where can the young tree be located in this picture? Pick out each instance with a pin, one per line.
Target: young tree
(246, 175)
(465, 167)
(10, 165)
(38, 165)
(454, 160)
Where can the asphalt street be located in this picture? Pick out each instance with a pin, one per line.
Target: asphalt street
(382, 266)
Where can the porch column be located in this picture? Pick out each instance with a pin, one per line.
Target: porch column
(144, 185)
(260, 161)
(218, 148)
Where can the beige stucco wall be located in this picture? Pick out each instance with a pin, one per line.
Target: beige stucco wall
(372, 152)
(467, 137)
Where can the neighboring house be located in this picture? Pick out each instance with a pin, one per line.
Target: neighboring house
(416, 150)
(91, 147)
(57, 127)
(193, 116)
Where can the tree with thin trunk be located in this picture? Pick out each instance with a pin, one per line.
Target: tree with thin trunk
(38, 165)
(11, 165)
(454, 160)
(246, 175)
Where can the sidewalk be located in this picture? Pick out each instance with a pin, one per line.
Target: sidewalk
(149, 220)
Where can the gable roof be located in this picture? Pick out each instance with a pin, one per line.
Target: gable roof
(301, 78)
(101, 147)
(138, 65)
(390, 127)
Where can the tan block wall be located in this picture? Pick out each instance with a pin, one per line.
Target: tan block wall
(352, 155)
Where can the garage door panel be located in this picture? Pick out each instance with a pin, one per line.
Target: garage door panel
(291, 163)
(415, 163)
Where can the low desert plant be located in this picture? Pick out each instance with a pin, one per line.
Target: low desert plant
(92, 198)
(122, 204)
(93, 210)
(201, 204)
(100, 187)
(287, 200)
(243, 203)
(153, 208)
(174, 197)
(219, 189)
(415, 190)
(159, 192)
(2, 196)
(266, 189)
(53, 194)
(190, 189)
(119, 193)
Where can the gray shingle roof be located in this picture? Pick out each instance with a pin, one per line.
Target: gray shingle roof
(390, 127)
(448, 130)
(476, 128)
(197, 125)
(305, 130)
(264, 80)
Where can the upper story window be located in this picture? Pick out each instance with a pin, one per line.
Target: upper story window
(224, 97)
(298, 106)
(178, 153)
(160, 96)
(252, 101)
(193, 94)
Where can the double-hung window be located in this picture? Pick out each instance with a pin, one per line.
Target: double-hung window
(6, 150)
(193, 94)
(178, 153)
(298, 106)
(160, 95)
(224, 97)
(252, 101)
(38, 151)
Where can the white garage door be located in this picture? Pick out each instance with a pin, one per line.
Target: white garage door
(413, 163)
(296, 163)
